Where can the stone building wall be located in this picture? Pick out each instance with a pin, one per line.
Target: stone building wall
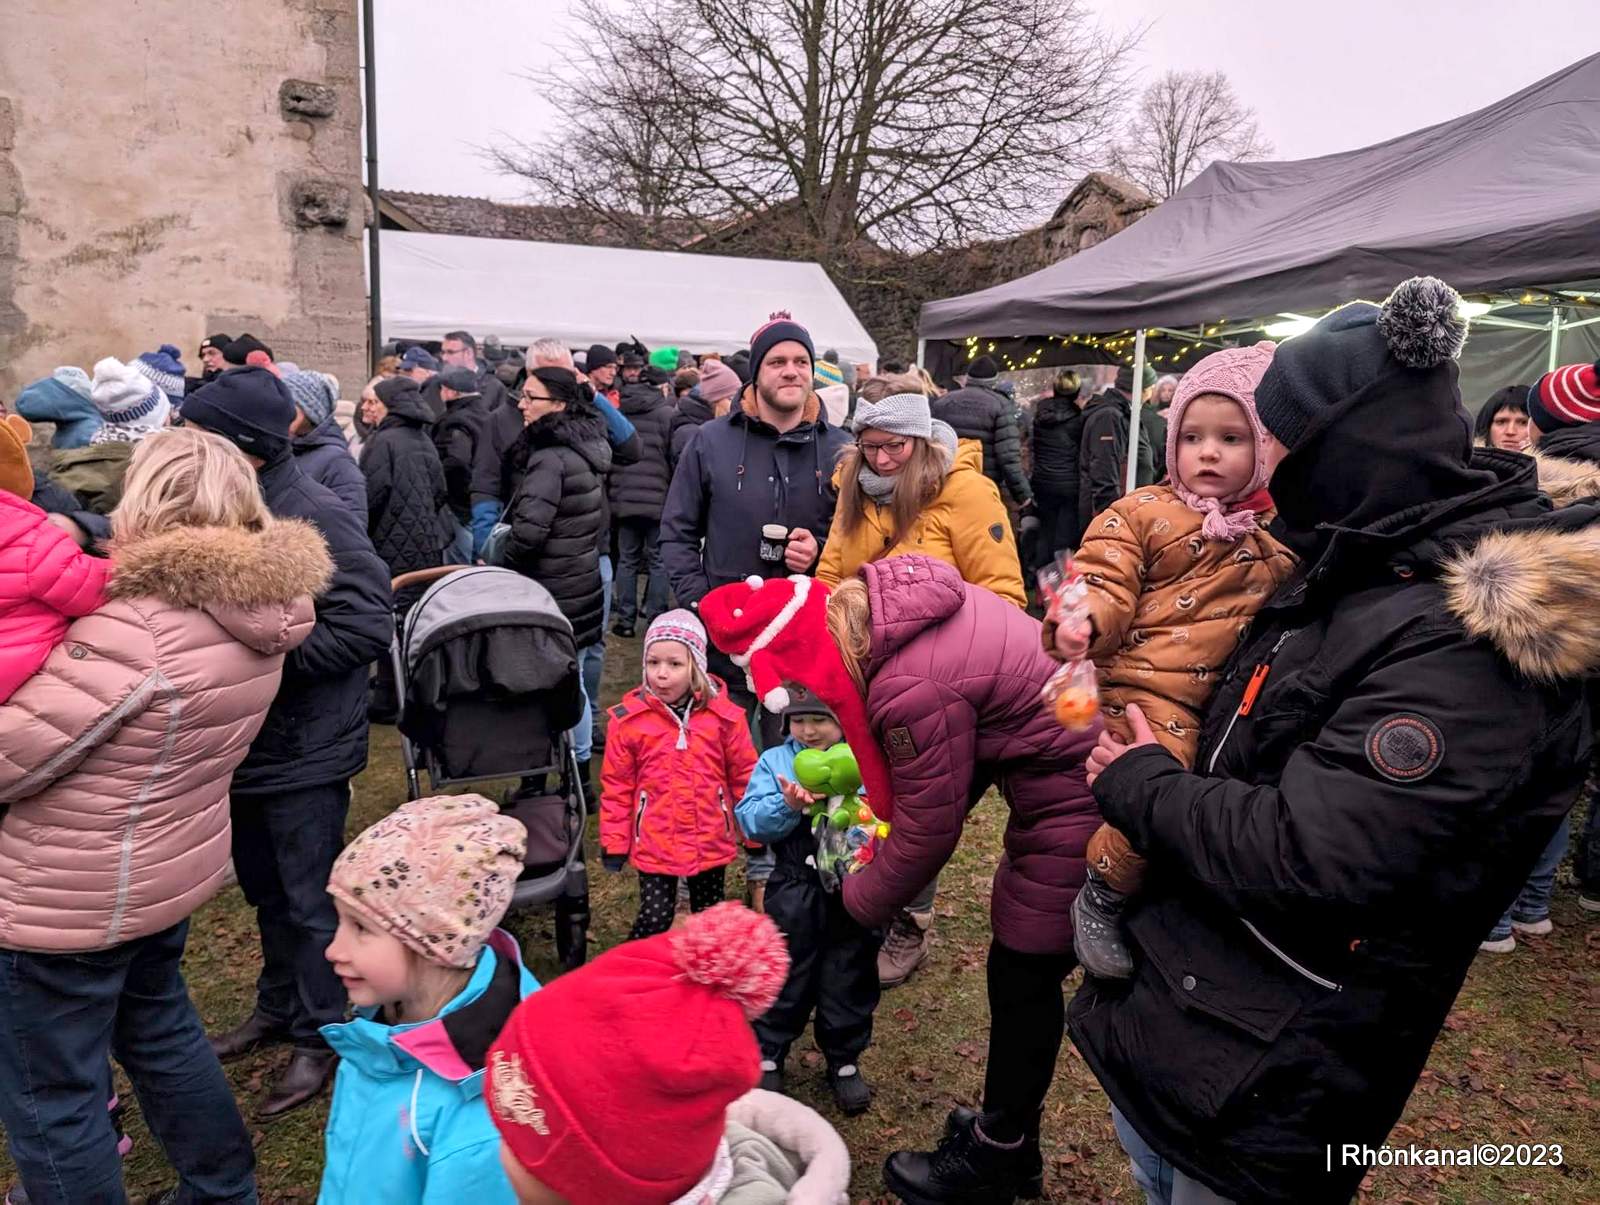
(169, 169)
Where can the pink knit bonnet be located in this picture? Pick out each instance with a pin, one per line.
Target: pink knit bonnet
(1233, 373)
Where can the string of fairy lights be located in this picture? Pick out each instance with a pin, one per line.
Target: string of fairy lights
(1120, 345)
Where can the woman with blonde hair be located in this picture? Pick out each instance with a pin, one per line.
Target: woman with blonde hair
(115, 760)
(936, 685)
(909, 485)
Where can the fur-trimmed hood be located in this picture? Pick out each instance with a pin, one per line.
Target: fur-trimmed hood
(1567, 481)
(1534, 592)
(247, 581)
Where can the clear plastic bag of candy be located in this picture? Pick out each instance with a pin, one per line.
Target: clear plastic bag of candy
(1073, 691)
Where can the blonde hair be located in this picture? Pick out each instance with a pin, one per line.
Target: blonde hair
(920, 480)
(875, 389)
(850, 625)
(387, 366)
(184, 477)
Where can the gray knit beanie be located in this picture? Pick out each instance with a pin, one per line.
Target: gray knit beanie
(311, 394)
(897, 414)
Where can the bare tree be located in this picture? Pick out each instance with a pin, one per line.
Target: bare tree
(916, 123)
(1187, 120)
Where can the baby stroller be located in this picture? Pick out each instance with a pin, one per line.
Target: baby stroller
(487, 677)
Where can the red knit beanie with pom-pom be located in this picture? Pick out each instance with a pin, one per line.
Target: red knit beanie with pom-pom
(612, 1083)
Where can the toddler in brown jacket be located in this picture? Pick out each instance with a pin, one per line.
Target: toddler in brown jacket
(1175, 573)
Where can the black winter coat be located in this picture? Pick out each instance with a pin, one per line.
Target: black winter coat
(1153, 423)
(407, 505)
(1320, 884)
(1103, 456)
(1057, 439)
(490, 388)
(1572, 443)
(737, 475)
(693, 412)
(456, 436)
(316, 730)
(639, 490)
(502, 426)
(324, 456)
(990, 418)
(555, 478)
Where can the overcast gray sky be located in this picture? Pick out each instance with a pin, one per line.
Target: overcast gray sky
(1322, 77)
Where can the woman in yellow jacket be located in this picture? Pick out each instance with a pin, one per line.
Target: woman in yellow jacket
(910, 486)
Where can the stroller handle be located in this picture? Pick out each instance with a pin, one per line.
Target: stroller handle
(419, 577)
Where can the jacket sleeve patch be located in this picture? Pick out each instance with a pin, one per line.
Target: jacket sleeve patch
(620, 711)
(901, 746)
(1405, 747)
(997, 533)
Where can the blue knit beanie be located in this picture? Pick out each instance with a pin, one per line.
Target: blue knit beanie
(780, 329)
(165, 367)
(311, 394)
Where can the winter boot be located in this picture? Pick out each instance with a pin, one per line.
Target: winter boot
(1096, 921)
(962, 1118)
(966, 1169)
(771, 1074)
(851, 1092)
(905, 947)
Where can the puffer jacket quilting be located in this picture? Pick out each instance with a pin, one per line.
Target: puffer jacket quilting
(990, 418)
(555, 478)
(670, 810)
(406, 497)
(45, 580)
(639, 490)
(115, 758)
(953, 685)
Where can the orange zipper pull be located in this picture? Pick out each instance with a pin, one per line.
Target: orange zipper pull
(1253, 689)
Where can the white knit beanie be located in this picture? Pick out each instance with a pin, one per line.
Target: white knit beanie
(126, 398)
(897, 414)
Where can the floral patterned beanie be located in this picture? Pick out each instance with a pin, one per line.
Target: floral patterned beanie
(436, 874)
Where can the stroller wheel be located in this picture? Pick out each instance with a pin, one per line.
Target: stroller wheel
(572, 931)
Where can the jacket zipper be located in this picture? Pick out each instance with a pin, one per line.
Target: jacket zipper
(1252, 692)
(727, 816)
(638, 820)
(1289, 962)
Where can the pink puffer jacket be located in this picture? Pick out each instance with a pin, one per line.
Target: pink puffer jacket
(115, 757)
(45, 581)
(953, 685)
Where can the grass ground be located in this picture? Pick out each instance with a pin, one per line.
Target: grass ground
(1519, 1060)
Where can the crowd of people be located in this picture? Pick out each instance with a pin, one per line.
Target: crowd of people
(1346, 706)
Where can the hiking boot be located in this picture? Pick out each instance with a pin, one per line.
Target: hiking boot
(905, 947)
(1498, 945)
(966, 1169)
(1097, 929)
(257, 1031)
(851, 1092)
(308, 1073)
(771, 1075)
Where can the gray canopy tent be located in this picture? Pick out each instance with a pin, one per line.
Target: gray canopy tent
(1503, 203)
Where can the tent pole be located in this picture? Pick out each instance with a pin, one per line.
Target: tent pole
(1133, 413)
(922, 353)
(1555, 339)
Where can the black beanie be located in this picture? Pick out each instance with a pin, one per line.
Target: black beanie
(236, 351)
(220, 342)
(247, 406)
(1125, 379)
(599, 356)
(781, 328)
(803, 702)
(1419, 327)
(983, 369)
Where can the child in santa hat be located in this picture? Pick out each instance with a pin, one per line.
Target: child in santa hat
(678, 756)
(632, 1079)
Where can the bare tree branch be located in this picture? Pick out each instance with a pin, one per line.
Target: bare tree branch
(915, 124)
(1187, 120)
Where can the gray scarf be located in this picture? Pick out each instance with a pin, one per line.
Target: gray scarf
(881, 489)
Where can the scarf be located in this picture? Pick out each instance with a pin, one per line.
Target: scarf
(1225, 519)
(881, 489)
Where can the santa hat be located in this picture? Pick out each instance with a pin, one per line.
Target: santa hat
(613, 1082)
(1566, 397)
(776, 630)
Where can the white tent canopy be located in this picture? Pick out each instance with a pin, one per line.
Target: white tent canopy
(522, 291)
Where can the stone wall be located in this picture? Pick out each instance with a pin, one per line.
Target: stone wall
(170, 169)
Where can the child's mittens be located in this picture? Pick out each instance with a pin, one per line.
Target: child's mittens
(613, 862)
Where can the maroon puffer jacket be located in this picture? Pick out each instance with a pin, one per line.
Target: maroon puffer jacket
(953, 691)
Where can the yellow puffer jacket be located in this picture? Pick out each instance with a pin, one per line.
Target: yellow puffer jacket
(965, 526)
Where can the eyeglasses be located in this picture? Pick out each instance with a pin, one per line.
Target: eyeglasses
(891, 446)
(536, 397)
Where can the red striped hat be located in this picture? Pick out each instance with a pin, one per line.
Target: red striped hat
(1567, 397)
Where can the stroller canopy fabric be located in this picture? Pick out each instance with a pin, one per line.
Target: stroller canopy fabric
(1505, 197)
